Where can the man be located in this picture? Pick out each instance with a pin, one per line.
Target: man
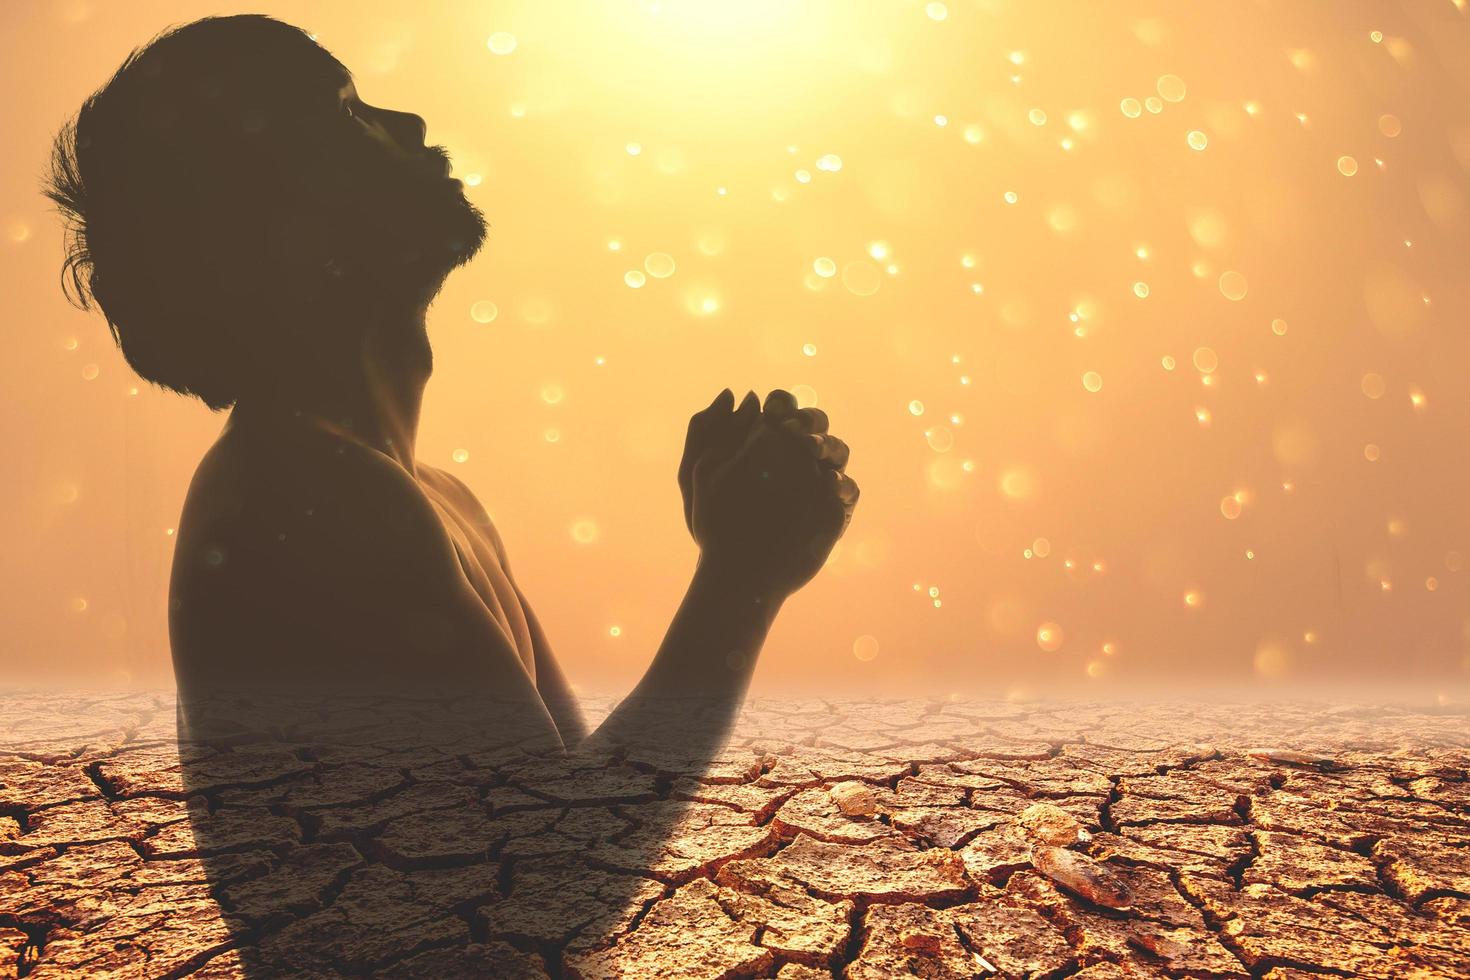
(260, 237)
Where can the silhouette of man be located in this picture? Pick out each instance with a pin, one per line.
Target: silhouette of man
(372, 725)
(260, 237)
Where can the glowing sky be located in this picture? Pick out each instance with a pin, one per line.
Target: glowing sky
(1146, 324)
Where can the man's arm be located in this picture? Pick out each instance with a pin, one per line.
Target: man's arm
(766, 499)
(551, 681)
(691, 693)
(708, 655)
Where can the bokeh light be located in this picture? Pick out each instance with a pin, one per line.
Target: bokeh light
(1117, 312)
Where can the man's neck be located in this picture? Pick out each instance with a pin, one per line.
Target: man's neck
(369, 388)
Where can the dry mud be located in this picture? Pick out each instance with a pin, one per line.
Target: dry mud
(963, 839)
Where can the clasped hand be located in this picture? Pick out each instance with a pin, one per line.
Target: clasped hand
(766, 495)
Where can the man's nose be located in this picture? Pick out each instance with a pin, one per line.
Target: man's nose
(409, 129)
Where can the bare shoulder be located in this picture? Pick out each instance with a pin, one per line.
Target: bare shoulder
(326, 498)
(464, 499)
(295, 542)
(455, 489)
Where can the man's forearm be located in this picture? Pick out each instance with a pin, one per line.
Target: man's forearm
(703, 667)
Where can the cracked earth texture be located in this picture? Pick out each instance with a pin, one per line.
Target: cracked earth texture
(826, 839)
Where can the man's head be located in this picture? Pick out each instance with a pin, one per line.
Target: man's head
(228, 187)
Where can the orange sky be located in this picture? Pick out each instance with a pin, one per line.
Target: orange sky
(1146, 324)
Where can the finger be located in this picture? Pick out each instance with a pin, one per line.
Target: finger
(780, 404)
(750, 405)
(832, 451)
(810, 442)
(705, 427)
(833, 518)
(704, 420)
(754, 439)
(750, 401)
(824, 447)
(785, 460)
(846, 488)
(725, 429)
(806, 420)
(722, 404)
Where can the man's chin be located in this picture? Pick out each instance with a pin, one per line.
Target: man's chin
(422, 243)
(470, 231)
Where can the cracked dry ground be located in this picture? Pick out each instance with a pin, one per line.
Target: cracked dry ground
(828, 838)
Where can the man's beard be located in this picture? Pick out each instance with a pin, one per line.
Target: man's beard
(443, 231)
(466, 244)
(417, 241)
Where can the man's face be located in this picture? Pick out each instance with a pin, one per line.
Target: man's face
(389, 200)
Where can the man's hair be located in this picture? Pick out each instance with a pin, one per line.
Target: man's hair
(161, 178)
